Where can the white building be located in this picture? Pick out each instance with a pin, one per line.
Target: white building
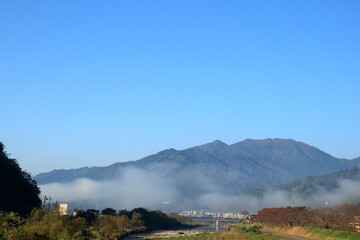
(63, 208)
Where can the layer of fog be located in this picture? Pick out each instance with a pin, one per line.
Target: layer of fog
(135, 188)
(138, 188)
(347, 192)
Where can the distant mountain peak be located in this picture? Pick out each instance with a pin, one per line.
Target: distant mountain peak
(166, 152)
(267, 140)
(218, 142)
(170, 150)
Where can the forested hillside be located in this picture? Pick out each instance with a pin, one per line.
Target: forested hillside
(19, 192)
(309, 185)
(243, 165)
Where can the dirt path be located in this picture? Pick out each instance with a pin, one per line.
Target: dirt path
(285, 236)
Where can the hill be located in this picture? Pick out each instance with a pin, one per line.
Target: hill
(19, 192)
(230, 168)
(307, 186)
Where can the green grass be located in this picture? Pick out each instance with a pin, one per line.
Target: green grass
(336, 234)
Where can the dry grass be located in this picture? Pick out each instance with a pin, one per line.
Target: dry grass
(234, 235)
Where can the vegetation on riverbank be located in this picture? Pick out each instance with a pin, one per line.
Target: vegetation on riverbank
(50, 225)
(340, 218)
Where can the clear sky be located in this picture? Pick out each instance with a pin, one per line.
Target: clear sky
(86, 83)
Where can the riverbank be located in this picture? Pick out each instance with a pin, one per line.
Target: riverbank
(162, 234)
(236, 232)
(312, 233)
(198, 226)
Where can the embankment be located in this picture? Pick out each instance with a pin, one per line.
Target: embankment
(312, 233)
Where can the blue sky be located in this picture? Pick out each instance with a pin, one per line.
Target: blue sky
(86, 83)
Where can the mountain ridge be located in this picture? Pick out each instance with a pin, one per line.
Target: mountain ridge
(310, 185)
(246, 164)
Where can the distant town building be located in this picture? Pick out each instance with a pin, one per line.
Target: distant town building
(63, 208)
(244, 215)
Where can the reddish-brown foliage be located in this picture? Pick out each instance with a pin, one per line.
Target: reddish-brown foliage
(337, 218)
(277, 216)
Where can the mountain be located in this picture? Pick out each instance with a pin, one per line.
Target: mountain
(356, 161)
(307, 186)
(217, 165)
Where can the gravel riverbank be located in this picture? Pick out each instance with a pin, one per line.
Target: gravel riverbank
(162, 234)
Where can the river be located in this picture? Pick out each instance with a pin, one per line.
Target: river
(214, 225)
(210, 225)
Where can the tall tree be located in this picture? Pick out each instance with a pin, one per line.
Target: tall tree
(18, 191)
(109, 211)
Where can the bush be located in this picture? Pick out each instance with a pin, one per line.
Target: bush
(111, 227)
(8, 222)
(43, 225)
(253, 229)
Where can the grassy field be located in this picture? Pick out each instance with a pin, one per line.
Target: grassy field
(335, 234)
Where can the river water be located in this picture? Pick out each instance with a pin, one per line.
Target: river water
(209, 225)
(214, 225)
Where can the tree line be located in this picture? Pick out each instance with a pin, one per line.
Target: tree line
(51, 225)
(342, 218)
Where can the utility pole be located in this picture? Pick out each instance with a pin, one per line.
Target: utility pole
(326, 214)
(49, 203)
(44, 202)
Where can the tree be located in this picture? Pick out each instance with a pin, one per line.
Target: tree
(88, 215)
(135, 220)
(19, 192)
(109, 211)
